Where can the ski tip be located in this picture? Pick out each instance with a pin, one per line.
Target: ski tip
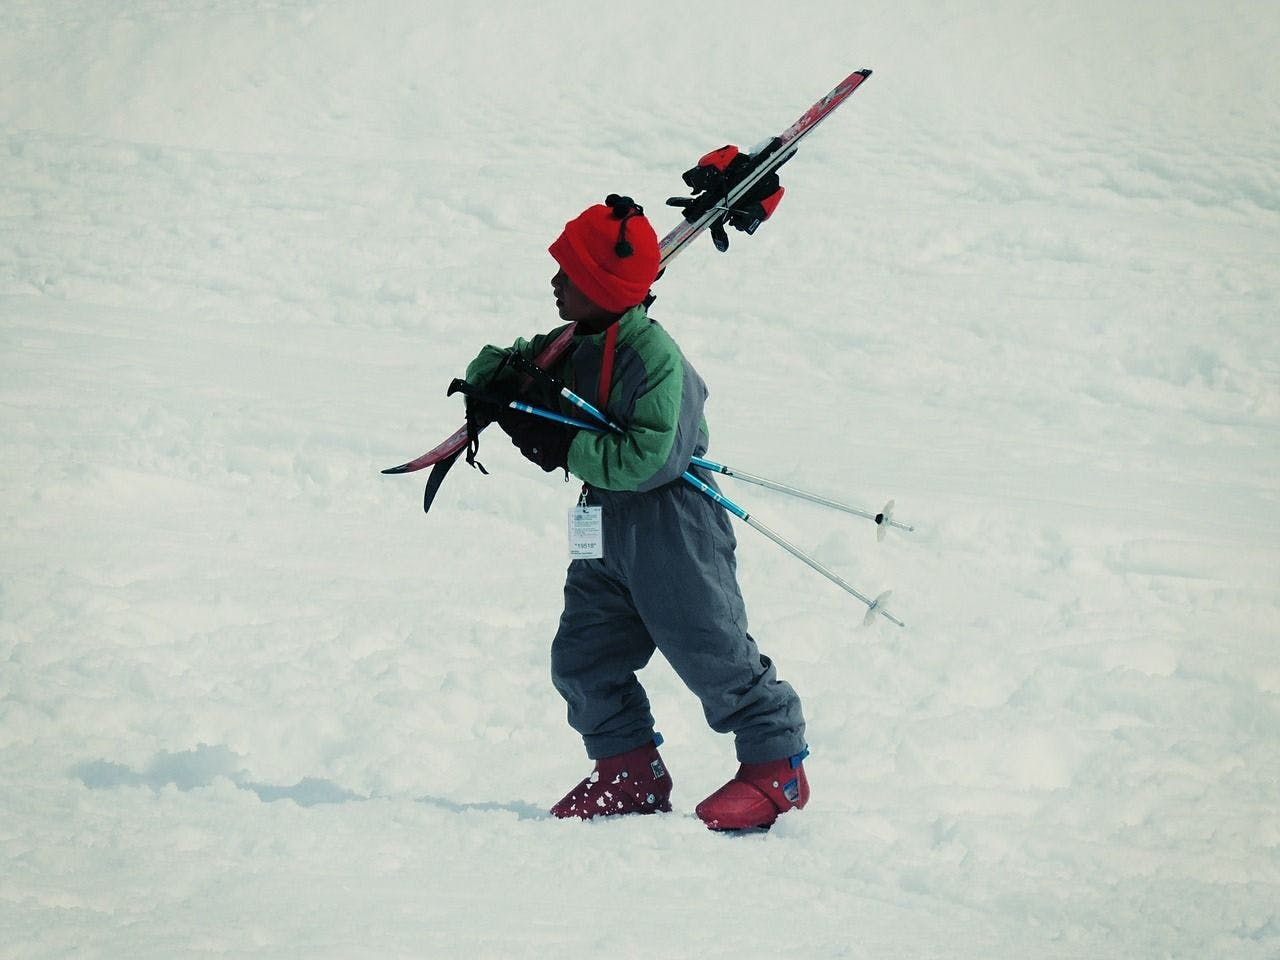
(403, 468)
(865, 73)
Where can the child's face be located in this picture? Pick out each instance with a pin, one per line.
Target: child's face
(573, 304)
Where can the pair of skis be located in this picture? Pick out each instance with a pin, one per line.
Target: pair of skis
(704, 216)
(675, 243)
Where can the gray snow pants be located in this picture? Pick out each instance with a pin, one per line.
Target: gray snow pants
(667, 582)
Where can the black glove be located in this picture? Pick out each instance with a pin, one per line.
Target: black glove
(712, 179)
(540, 440)
(756, 205)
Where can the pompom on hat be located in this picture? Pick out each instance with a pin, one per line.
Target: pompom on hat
(610, 253)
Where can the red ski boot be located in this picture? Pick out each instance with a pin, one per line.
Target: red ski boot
(633, 782)
(757, 794)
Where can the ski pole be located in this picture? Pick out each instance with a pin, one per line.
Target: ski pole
(558, 418)
(883, 519)
(876, 607)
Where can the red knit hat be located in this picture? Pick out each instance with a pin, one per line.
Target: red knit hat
(610, 253)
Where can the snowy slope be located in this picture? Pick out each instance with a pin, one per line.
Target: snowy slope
(253, 703)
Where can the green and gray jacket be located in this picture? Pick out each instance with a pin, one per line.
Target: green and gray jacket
(656, 397)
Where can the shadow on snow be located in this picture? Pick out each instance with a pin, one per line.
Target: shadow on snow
(193, 769)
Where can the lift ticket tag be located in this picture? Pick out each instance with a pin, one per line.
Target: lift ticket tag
(586, 532)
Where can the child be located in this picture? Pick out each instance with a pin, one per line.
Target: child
(667, 578)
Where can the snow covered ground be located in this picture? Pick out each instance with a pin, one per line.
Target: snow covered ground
(254, 704)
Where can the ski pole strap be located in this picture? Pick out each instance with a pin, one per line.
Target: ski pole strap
(473, 395)
(473, 442)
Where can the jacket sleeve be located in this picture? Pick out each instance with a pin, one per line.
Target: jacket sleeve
(483, 371)
(659, 436)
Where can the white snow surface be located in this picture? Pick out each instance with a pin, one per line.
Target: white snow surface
(1026, 281)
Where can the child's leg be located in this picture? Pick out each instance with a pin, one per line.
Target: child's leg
(683, 582)
(599, 647)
